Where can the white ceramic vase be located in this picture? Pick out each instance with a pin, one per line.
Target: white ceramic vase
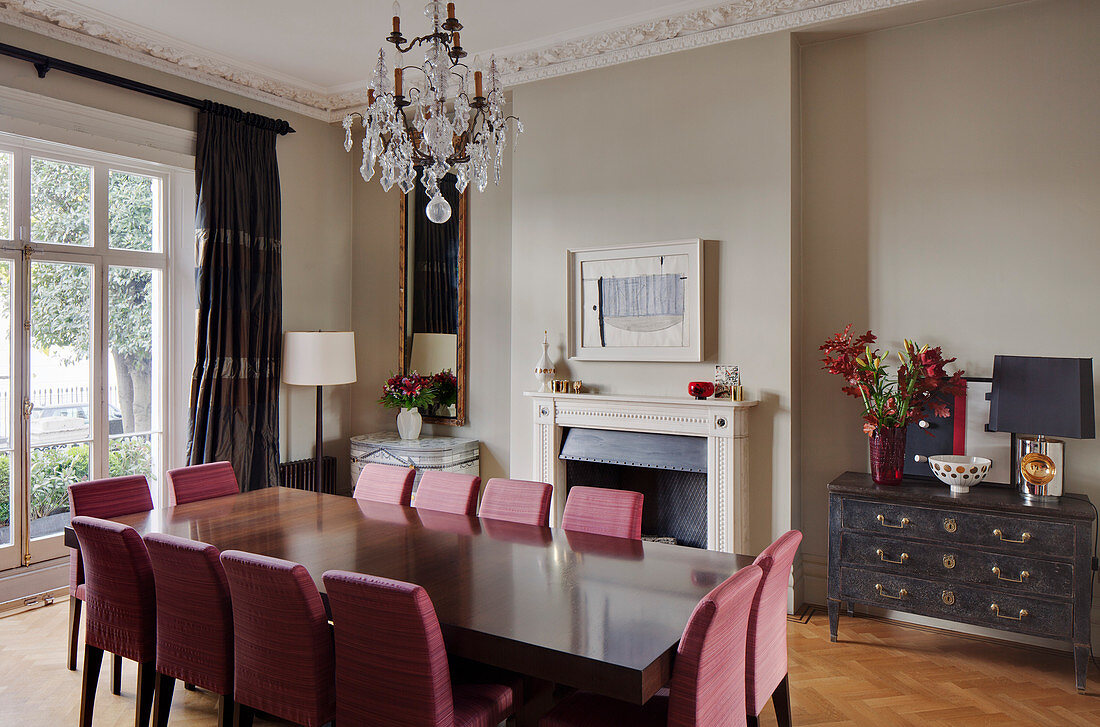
(544, 369)
(409, 422)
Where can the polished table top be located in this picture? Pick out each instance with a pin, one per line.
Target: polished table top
(603, 614)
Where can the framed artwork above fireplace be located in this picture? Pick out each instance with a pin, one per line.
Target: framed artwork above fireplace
(637, 302)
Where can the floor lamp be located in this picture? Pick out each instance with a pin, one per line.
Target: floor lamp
(318, 358)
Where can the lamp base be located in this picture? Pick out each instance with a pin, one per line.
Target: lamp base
(1041, 466)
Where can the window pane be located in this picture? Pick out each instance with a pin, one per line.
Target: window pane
(6, 165)
(6, 459)
(61, 202)
(133, 334)
(53, 469)
(61, 369)
(132, 205)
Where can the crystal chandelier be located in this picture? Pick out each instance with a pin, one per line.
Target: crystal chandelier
(468, 140)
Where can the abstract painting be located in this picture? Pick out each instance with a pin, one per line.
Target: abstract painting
(637, 302)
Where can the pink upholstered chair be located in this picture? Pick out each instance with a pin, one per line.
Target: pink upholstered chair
(766, 653)
(708, 676)
(104, 499)
(282, 641)
(392, 662)
(194, 623)
(448, 492)
(122, 607)
(518, 501)
(603, 511)
(385, 483)
(201, 482)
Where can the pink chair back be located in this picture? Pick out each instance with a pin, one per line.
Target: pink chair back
(518, 501)
(390, 651)
(106, 498)
(120, 594)
(448, 492)
(282, 642)
(201, 482)
(385, 483)
(708, 676)
(766, 652)
(194, 613)
(603, 511)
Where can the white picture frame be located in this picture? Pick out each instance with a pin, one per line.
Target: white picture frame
(609, 322)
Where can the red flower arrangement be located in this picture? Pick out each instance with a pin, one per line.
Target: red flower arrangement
(445, 384)
(891, 402)
(408, 391)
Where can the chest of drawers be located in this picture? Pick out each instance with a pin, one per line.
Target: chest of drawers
(985, 558)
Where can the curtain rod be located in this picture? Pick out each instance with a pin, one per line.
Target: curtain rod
(44, 64)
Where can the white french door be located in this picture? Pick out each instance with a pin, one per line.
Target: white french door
(83, 260)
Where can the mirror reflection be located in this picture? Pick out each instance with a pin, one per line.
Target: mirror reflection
(433, 299)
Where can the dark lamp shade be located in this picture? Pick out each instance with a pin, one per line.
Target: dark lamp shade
(1040, 395)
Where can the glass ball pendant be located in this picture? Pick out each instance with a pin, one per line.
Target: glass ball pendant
(438, 210)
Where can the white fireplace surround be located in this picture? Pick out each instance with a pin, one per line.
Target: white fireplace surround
(724, 423)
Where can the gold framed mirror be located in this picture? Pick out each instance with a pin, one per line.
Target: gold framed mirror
(432, 296)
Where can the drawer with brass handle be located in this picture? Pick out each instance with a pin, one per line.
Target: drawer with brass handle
(966, 565)
(939, 599)
(1006, 533)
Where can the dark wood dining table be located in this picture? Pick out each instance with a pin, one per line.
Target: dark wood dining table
(598, 613)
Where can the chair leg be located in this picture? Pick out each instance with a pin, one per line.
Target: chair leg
(781, 698)
(227, 710)
(116, 674)
(93, 659)
(752, 721)
(244, 715)
(162, 699)
(146, 682)
(74, 630)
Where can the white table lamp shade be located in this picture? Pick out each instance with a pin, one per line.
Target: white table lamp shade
(318, 358)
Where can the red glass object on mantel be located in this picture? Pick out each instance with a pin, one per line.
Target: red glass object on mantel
(887, 445)
(701, 389)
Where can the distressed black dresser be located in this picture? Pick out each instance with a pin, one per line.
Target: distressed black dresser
(984, 558)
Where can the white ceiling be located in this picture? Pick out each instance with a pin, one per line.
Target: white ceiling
(314, 57)
(330, 44)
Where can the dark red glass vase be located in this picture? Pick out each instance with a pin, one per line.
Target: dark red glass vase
(887, 455)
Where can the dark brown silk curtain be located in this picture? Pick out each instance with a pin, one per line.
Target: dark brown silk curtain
(435, 280)
(235, 386)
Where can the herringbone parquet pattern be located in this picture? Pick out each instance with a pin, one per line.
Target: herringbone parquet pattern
(881, 674)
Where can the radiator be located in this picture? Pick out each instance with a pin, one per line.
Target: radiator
(299, 474)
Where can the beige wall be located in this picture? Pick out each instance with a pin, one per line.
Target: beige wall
(951, 195)
(694, 144)
(316, 210)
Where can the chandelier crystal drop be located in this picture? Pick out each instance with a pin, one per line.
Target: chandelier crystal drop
(450, 129)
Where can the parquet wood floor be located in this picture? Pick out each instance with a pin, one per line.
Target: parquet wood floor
(881, 674)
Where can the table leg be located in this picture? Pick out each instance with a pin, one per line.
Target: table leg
(1081, 664)
(834, 618)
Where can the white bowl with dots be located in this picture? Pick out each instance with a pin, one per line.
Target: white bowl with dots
(958, 471)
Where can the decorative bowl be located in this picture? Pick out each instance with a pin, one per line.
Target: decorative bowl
(959, 471)
(700, 389)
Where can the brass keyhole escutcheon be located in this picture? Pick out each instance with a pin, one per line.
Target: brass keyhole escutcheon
(950, 525)
(949, 561)
(948, 598)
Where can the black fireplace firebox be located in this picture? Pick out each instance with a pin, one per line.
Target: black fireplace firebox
(669, 470)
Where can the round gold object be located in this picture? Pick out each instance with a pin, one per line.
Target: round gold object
(1037, 469)
(950, 525)
(948, 561)
(948, 598)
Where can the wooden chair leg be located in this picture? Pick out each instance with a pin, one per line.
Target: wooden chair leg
(227, 710)
(781, 698)
(752, 721)
(116, 674)
(93, 659)
(74, 630)
(162, 699)
(146, 682)
(244, 715)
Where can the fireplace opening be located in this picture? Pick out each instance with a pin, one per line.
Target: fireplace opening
(669, 470)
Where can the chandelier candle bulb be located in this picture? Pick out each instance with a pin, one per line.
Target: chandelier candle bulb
(454, 37)
(451, 16)
(398, 87)
(477, 85)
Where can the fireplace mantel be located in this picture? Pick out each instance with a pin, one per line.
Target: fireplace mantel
(724, 423)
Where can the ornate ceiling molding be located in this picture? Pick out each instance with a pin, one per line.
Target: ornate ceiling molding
(727, 21)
